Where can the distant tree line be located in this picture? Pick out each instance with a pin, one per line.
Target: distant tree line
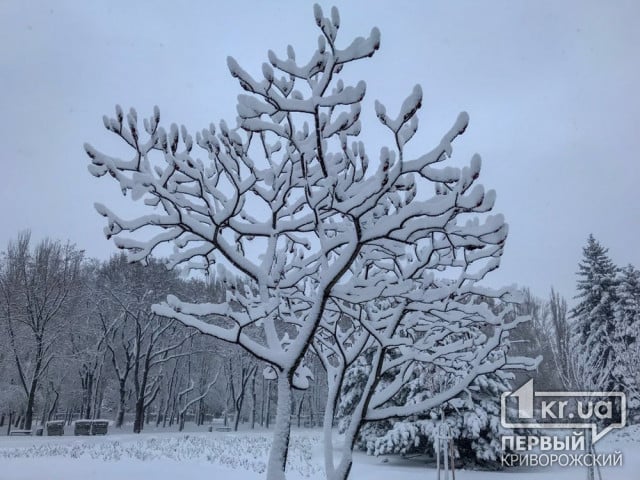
(78, 339)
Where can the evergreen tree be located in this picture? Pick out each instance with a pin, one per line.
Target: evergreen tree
(595, 313)
(626, 341)
(472, 420)
(628, 305)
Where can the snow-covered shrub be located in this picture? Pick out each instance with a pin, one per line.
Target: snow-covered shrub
(471, 419)
(237, 452)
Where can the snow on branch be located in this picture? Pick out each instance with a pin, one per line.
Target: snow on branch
(359, 261)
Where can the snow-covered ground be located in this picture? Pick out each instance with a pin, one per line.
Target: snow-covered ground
(233, 456)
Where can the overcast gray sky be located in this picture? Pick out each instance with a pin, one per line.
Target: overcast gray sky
(550, 86)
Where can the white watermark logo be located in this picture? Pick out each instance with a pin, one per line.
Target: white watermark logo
(563, 410)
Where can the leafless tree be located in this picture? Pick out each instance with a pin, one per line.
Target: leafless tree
(239, 371)
(202, 390)
(39, 289)
(139, 341)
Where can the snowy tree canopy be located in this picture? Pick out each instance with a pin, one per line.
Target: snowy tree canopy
(334, 251)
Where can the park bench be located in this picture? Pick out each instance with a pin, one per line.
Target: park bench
(90, 427)
(55, 428)
(99, 427)
(20, 432)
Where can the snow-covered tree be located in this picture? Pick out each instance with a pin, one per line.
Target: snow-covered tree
(39, 288)
(595, 312)
(561, 340)
(531, 340)
(195, 391)
(87, 349)
(239, 370)
(287, 207)
(628, 305)
(626, 338)
(403, 358)
(138, 341)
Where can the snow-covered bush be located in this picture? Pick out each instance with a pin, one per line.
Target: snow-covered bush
(237, 452)
(472, 420)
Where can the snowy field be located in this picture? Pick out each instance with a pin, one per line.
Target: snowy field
(242, 455)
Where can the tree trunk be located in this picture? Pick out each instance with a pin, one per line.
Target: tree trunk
(239, 402)
(159, 414)
(28, 416)
(121, 405)
(341, 472)
(181, 424)
(201, 412)
(327, 428)
(165, 415)
(312, 413)
(236, 421)
(300, 409)
(87, 400)
(356, 418)
(99, 396)
(138, 423)
(254, 401)
(54, 405)
(268, 422)
(263, 398)
(43, 417)
(280, 445)
(344, 467)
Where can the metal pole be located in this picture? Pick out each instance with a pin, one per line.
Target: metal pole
(444, 431)
(438, 455)
(453, 463)
(445, 447)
